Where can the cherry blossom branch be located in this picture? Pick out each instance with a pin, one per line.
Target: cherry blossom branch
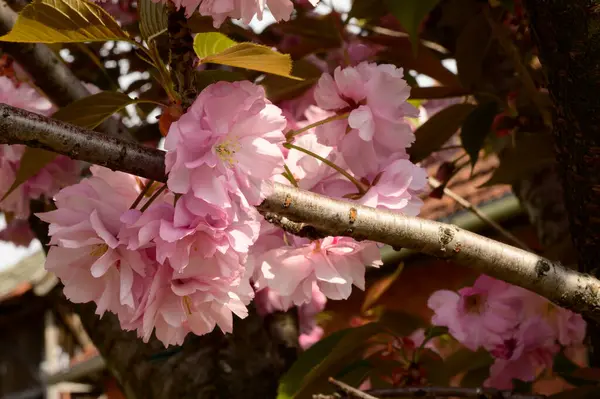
(323, 216)
(431, 392)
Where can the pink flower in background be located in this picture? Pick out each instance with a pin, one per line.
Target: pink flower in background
(482, 315)
(60, 172)
(24, 96)
(569, 327)
(375, 96)
(228, 142)
(523, 355)
(245, 10)
(86, 254)
(18, 232)
(333, 263)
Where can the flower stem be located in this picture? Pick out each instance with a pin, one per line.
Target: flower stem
(154, 197)
(293, 133)
(142, 194)
(288, 175)
(361, 188)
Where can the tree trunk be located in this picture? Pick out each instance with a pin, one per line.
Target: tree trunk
(568, 37)
(243, 365)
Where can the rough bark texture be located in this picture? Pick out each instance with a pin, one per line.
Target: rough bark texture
(243, 365)
(568, 36)
(542, 197)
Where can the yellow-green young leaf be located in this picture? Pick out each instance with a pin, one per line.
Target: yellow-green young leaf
(88, 112)
(216, 48)
(379, 287)
(153, 18)
(64, 21)
(91, 111)
(279, 88)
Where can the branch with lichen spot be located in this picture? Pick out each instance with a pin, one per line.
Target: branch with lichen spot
(301, 211)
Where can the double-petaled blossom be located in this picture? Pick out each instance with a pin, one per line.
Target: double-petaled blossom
(520, 329)
(228, 142)
(482, 315)
(333, 263)
(58, 173)
(207, 293)
(375, 99)
(523, 355)
(86, 253)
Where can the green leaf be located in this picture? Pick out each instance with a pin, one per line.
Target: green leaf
(355, 373)
(438, 129)
(206, 78)
(367, 9)
(471, 49)
(153, 18)
(467, 360)
(88, 112)
(379, 287)
(411, 13)
(216, 48)
(64, 21)
(433, 332)
(279, 88)
(292, 380)
(474, 378)
(303, 381)
(434, 366)
(531, 153)
(476, 128)
(91, 111)
(400, 323)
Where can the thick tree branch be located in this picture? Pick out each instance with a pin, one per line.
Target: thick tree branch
(326, 216)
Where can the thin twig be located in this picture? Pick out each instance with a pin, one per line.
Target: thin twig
(353, 392)
(433, 392)
(433, 182)
(565, 287)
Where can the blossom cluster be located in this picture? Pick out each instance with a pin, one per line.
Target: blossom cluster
(187, 256)
(244, 10)
(522, 330)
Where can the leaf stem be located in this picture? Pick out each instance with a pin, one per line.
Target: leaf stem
(361, 188)
(293, 133)
(288, 175)
(154, 197)
(142, 194)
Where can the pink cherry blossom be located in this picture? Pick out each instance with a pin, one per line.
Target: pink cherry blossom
(375, 98)
(57, 174)
(205, 294)
(245, 10)
(86, 253)
(396, 188)
(569, 328)
(482, 315)
(228, 142)
(523, 355)
(333, 263)
(18, 232)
